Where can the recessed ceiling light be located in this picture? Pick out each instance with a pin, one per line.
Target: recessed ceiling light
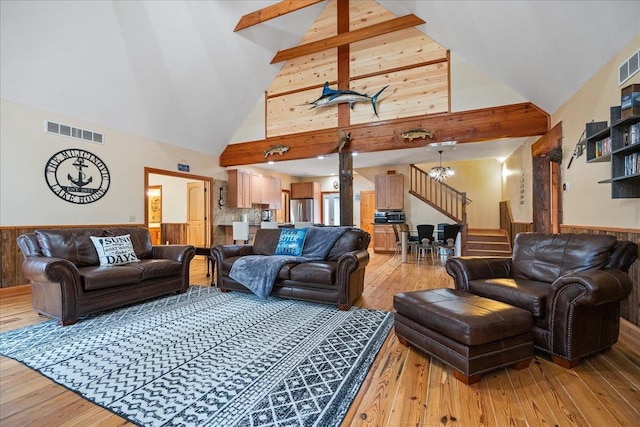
(271, 162)
(355, 153)
(320, 157)
(443, 143)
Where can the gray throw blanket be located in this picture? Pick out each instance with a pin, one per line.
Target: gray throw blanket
(258, 272)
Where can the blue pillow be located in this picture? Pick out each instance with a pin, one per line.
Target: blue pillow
(291, 241)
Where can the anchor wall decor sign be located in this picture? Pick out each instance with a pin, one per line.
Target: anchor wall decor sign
(77, 176)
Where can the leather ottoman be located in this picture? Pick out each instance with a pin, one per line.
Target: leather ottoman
(470, 333)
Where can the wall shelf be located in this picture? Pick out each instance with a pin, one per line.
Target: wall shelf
(620, 145)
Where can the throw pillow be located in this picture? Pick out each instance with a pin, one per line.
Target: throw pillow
(291, 241)
(115, 250)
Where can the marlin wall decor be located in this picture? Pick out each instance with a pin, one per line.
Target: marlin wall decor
(331, 96)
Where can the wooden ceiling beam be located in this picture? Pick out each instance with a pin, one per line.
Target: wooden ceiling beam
(386, 27)
(273, 11)
(507, 121)
(548, 142)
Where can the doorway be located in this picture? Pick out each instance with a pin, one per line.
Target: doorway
(331, 208)
(367, 209)
(198, 209)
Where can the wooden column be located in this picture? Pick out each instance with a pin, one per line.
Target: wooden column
(547, 200)
(344, 120)
(541, 203)
(346, 188)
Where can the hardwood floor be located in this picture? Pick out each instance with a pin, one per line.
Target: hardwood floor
(404, 386)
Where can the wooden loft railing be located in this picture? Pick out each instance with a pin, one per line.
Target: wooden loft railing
(442, 197)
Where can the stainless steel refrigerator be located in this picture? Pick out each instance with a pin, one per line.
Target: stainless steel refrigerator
(302, 210)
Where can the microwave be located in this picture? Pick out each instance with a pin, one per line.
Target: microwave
(395, 217)
(388, 217)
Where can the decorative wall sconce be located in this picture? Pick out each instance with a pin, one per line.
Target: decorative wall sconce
(221, 198)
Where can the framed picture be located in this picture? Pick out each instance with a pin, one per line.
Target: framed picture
(155, 204)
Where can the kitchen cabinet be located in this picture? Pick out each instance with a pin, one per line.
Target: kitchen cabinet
(238, 189)
(260, 191)
(390, 191)
(275, 198)
(246, 189)
(305, 190)
(384, 239)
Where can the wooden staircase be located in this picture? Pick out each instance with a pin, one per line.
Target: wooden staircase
(485, 242)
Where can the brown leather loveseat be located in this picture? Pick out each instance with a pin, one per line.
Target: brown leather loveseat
(571, 283)
(338, 279)
(67, 280)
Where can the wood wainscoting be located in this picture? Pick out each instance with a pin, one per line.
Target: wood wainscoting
(629, 308)
(11, 256)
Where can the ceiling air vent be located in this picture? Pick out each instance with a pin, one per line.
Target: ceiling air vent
(65, 130)
(629, 68)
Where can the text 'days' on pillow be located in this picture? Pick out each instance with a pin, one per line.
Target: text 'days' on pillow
(114, 250)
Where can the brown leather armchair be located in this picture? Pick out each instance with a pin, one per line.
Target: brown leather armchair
(571, 283)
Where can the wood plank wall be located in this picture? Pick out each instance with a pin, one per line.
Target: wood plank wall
(630, 308)
(174, 233)
(415, 67)
(11, 256)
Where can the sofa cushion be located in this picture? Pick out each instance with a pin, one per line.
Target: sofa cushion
(530, 295)
(545, 257)
(108, 277)
(285, 271)
(291, 241)
(114, 250)
(140, 238)
(72, 244)
(157, 268)
(265, 241)
(349, 241)
(322, 272)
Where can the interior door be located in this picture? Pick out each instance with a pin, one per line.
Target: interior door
(367, 209)
(196, 214)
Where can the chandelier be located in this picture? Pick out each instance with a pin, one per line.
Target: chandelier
(439, 173)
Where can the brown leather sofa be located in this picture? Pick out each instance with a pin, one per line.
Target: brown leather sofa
(571, 283)
(338, 279)
(67, 280)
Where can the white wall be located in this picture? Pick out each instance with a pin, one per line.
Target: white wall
(587, 202)
(25, 148)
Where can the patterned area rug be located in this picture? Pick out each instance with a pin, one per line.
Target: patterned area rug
(207, 358)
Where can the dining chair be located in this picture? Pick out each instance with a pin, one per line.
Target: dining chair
(449, 236)
(425, 241)
(302, 224)
(398, 240)
(241, 231)
(412, 241)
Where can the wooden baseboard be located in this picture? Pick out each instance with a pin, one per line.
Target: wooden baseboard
(15, 290)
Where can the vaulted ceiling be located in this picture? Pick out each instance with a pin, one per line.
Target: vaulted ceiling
(177, 72)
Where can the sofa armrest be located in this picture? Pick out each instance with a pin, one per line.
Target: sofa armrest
(220, 252)
(178, 253)
(47, 269)
(583, 311)
(354, 260)
(350, 271)
(226, 251)
(592, 287)
(465, 269)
